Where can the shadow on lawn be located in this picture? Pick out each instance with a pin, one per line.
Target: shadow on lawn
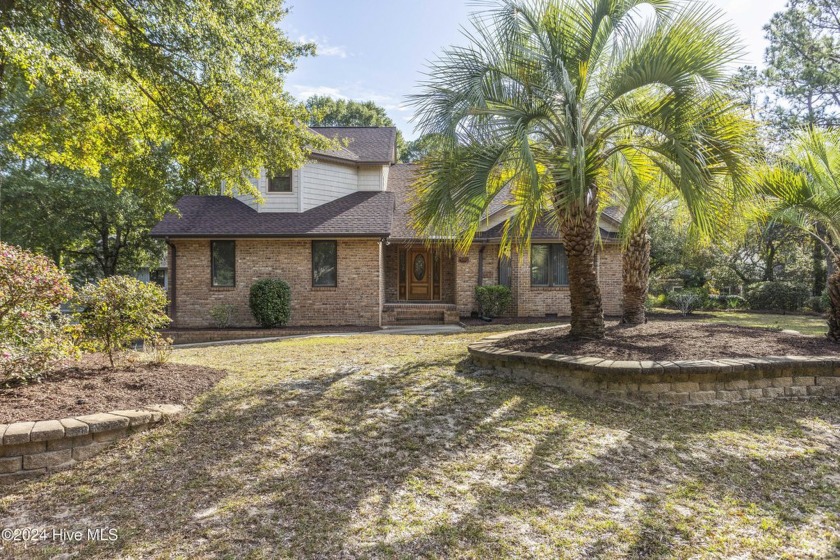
(410, 460)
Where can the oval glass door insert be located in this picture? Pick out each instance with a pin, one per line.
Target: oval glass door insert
(419, 267)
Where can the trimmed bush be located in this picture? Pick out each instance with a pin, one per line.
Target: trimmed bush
(776, 296)
(33, 334)
(120, 311)
(492, 300)
(271, 302)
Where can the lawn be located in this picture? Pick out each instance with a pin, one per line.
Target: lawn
(377, 446)
(806, 324)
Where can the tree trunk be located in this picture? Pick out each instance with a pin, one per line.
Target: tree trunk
(635, 272)
(818, 269)
(834, 302)
(577, 227)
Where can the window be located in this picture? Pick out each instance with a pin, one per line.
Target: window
(549, 266)
(505, 272)
(223, 264)
(324, 263)
(281, 183)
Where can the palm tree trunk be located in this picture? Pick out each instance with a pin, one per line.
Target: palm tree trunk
(577, 227)
(635, 272)
(834, 302)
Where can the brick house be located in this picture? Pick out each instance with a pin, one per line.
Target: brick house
(338, 232)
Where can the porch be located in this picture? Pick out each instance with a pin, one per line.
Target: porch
(419, 285)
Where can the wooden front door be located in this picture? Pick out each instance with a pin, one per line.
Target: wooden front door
(419, 272)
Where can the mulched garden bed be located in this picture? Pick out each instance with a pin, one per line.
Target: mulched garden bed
(673, 340)
(89, 386)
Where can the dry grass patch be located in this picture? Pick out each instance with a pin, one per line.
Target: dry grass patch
(396, 446)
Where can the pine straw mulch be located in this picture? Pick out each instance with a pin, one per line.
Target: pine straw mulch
(673, 340)
(90, 385)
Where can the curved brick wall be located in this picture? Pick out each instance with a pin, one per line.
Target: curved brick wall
(677, 382)
(30, 449)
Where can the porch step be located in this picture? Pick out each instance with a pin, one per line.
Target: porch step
(419, 314)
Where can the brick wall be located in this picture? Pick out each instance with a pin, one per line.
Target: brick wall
(355, 301)
(534, 301)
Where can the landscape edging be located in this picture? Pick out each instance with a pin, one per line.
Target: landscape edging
(31, 449)
(691, 382)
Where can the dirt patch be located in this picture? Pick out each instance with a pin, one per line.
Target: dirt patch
(90, 386)
(674, 340)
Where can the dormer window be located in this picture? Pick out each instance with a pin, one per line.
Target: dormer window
(280, 183)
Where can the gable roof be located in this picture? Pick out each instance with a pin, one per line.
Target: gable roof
(364, 144)
(400, 181)
(360, 214)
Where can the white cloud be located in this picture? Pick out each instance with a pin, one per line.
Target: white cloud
(323, 47)
(301, 91)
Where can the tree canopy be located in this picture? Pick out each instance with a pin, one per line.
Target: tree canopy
(804, 62)
(328, 111)
(103, 85)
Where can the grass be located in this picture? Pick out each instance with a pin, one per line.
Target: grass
(397, 447)
(806, 324)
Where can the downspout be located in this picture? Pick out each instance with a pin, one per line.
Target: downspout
(173, 286)
(481, 265)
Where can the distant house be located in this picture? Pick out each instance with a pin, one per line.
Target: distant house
(338, 232)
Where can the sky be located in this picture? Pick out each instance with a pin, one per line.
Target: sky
(378, 50)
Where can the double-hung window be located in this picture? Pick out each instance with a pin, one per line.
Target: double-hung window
(324, 263)
(505, 272)
(223, 264)
(549, 266)
(280, 183)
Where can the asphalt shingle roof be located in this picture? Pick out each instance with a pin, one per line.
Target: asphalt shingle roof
(374, 144)
(542, 231)
(400, 178)
(359, 214)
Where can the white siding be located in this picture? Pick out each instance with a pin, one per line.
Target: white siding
(370, 178)
(324, 182)
(317, 183)
(248, 199)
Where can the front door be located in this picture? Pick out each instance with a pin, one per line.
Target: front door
(419, 271)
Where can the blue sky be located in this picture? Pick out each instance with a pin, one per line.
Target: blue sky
(377, 50)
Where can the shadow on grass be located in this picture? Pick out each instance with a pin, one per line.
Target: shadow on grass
(432, 457)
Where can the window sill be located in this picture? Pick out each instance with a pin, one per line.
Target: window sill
(222, 288)
(550, 288)
(324, 288)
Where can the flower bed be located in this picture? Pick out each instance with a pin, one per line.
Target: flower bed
(722, 380)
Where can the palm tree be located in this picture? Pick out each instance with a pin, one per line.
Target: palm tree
(804, 189)
(547, 95)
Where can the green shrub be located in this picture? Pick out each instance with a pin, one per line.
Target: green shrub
(735, 302)
(689, 300)
(33, 334)
(655, 301)
(222, 315)
(776, 296)
(818, 304)
(492, 300)
(119, 311)
(271, 302)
